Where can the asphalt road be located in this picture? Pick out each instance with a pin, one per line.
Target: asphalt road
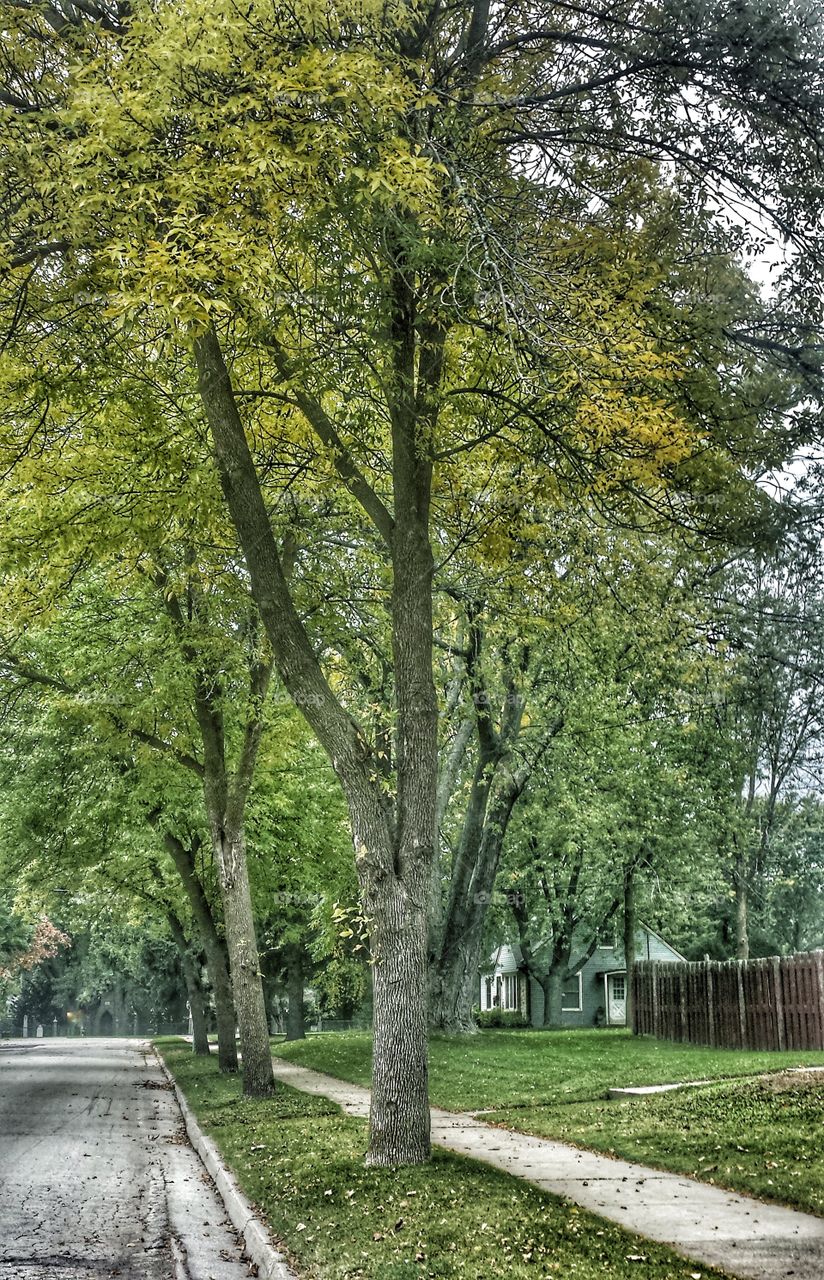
(96, 1175)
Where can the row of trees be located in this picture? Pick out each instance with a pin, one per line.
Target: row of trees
(393, 358)
(690, 799)
(653, 791)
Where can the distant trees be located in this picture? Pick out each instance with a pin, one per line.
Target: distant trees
(100, 774)
(768, 719)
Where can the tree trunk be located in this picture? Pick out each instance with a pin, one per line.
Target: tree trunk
(454, 978)
(447, 781)
(399, 1115)
(294, 986)
(469, 891)
(454, 987)
(217, 963)
(552, 985)
(194, 989)
(742, 885)
(213, 945)
(200, 1026)
(394, 844)
(398, 904)
(630, 930)
(244, 965)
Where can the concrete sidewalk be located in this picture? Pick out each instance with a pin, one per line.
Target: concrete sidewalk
(744, 1236)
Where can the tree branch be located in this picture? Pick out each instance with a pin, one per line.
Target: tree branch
(324, 428)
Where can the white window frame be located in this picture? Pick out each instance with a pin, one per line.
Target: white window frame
(499, 990)
(511, 995)
(579, 1007)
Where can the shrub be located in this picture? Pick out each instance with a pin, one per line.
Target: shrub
(500, 1018)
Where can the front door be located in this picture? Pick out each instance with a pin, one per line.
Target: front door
(617, 999)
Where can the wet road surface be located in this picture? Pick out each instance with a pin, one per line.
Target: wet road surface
(96, 1176)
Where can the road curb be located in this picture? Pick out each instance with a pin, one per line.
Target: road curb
(258, 1245)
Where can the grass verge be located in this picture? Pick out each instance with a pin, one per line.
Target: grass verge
(301, 1161)
(758, 1136)
(539, 1068)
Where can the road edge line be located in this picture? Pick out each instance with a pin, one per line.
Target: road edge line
(259, 1249)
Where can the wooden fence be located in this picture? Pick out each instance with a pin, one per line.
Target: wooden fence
(776, 1003)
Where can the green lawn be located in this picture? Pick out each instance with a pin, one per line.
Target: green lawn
(301, 1160)
(747, 1135)
(528, 1068)
(763, 1137)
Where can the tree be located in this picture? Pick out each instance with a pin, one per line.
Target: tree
(322, 206)
(620, 799)
(120, 710)
(44, 942)
(769, 622)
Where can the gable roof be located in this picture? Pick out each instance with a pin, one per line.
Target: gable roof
(667, 945)
(508, 958)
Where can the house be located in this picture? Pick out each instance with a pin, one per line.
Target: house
(596, 996)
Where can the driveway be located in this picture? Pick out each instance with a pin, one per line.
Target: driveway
(96, 1176)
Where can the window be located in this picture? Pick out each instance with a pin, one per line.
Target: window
(503, 991)
(619, 987)
(572, 995)
(511, 991)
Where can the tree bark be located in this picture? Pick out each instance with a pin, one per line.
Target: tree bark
(399, 1115)
(394, 844)
(447, 780)
(194, 989)
(213, 945)
(295, 1029)
(454, 978)
(200, 1024)
(552, 985)
(244, 965)
(630, 930)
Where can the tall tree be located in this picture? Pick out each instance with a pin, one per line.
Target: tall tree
(197, 715)
(769, 621)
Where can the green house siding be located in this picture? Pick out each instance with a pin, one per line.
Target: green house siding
(506, 960)
(592, 1009)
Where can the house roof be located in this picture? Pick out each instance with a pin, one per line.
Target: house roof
(663, 941)
(508, 957)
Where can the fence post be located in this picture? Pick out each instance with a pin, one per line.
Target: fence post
(683, 973)
(819, 973)
(710, 1005)
(742, 1005)
(655, 998)
(778, 1001)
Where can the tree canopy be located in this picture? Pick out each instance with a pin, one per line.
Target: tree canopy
(445, 302)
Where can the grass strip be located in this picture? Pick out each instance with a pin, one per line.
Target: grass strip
(757, 1136)
(300, 1160)
(536, 1068)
